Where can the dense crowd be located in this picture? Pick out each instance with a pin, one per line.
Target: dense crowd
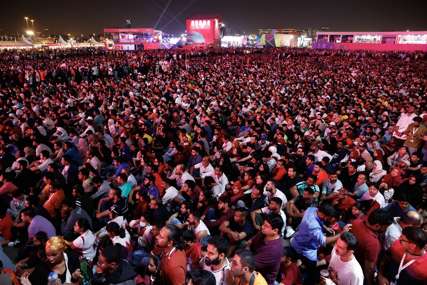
(219, 167)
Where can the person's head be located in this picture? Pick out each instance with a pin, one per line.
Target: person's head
(166, 237)
(44, 154)
(81, 226)
(110, 258)
(122, 178)
(361, 178)
(242, 263)
(379, 220)
(205, 161)
(189, 238)
(316, 168)
(275, 205)
(114, 193)
(372, 190)
(327, 213)
(291, 172)
(240, 215)
(148, 180)
(351, 167)
(54, 249)
(402, 199)
(309, 160)
(311, 180)
(257, 192)
(272, 226)
(184, 208)
(40, 239)
(412, 180)
(216, 251)
(402, 151)
(113, 230)
(200, 277)
(413, 240)
(270, 187)
(333, 177)
(154, 204)
(345, 245)
(83, 174)
(356, 210)
(193, 219)
(27, 215)
(223, 203)
(411, 218)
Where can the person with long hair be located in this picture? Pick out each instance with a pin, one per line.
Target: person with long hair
(59, 260)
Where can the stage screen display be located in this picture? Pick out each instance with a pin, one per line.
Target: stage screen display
(203, 31)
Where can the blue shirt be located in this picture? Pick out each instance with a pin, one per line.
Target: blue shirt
(309, 236)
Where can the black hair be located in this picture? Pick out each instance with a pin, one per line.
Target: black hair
(201, 277)
(175, 236)
(83, 224)
(276, 200)
(113, 253)
(416, 235)
(41, 236)
(275, 221)
(350, 239)
(28, 212)
(380, 217)
(328, 209)
(246, 259)
(220, 243)
(114, 228)
(188, 235)
(225, 199)
(45, 153)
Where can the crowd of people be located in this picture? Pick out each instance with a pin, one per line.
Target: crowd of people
(219, 167)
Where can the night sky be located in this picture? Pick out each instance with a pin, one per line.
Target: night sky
(91, 16)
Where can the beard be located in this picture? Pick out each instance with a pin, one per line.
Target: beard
(210, 262)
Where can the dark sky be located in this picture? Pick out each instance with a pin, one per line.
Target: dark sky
(91, 16)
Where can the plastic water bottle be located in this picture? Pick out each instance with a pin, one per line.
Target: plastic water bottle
(53, 279)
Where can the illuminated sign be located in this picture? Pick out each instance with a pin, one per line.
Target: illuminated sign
(200, 24)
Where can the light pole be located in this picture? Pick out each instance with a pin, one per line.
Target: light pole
(26, 21)
(32, 23)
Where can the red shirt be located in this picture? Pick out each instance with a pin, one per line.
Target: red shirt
(290, 274)
(6, 224)
(174, 267)
(368, 245)
(418, 269)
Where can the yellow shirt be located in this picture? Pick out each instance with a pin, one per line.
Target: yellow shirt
(259, 279)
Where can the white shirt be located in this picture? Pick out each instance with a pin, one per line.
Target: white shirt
(123, 241)
(201, 227)
(220, 278)
(329, 187)
(205, 170)
(321, 154)
(43, 166)
(222, 182)
(379, 198)
(170, 194)
(278, 194)
(85, 243)
(404, 121)
(348, 273)
(393, 233)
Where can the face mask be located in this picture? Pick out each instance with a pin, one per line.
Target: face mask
(209, 262)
